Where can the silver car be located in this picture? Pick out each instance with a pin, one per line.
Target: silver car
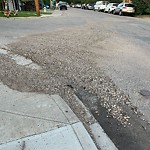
(125, 8)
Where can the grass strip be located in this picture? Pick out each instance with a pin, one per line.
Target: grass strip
(24, 14)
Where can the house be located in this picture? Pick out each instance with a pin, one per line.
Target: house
(10, 5)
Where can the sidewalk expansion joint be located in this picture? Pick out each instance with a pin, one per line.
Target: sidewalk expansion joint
(28, 136)
(77, 136)
(34, 117)
(61, 110)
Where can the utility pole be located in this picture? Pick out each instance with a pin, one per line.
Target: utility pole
(37, 7)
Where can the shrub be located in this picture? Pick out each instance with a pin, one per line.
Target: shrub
(142, 6)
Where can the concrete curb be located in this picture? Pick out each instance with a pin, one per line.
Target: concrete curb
(99, 135)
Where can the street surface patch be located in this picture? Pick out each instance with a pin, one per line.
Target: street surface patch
(20, 60)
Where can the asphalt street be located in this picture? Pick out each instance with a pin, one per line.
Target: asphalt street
(120, 47)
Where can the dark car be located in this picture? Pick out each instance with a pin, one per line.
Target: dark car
(63, 6)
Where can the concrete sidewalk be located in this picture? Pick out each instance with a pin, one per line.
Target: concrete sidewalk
(38, 121)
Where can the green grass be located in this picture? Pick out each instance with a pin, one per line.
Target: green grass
(25, 14)
(1, 14)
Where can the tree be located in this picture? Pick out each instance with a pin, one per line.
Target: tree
(1, 4)
(46, 2)
(142, 6)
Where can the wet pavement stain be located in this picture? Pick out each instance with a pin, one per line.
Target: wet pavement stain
(145, 93)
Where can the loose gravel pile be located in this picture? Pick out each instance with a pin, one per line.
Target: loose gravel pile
(65, 57)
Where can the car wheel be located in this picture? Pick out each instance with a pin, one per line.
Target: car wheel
(114, 12)
(120, 13)
(132, 15)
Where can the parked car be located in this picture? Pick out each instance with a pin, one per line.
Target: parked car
(100, 5)
(63, 6)
(125, 8)
(110, 7)
(103, 5)
(78, 6)
(72, 5)
(97, 5)
(90, 6)
(84, 6)
(68, 6)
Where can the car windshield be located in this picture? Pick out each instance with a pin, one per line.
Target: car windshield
(115, 4)
(62, 3)
(129, 5)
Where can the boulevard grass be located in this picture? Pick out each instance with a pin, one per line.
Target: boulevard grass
(25, 14)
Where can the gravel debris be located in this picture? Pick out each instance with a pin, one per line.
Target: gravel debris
(65, 56)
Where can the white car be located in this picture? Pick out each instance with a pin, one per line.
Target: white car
(97, 5)
(110, 7)
(103, 5)
(78, 6)
(100, 5)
